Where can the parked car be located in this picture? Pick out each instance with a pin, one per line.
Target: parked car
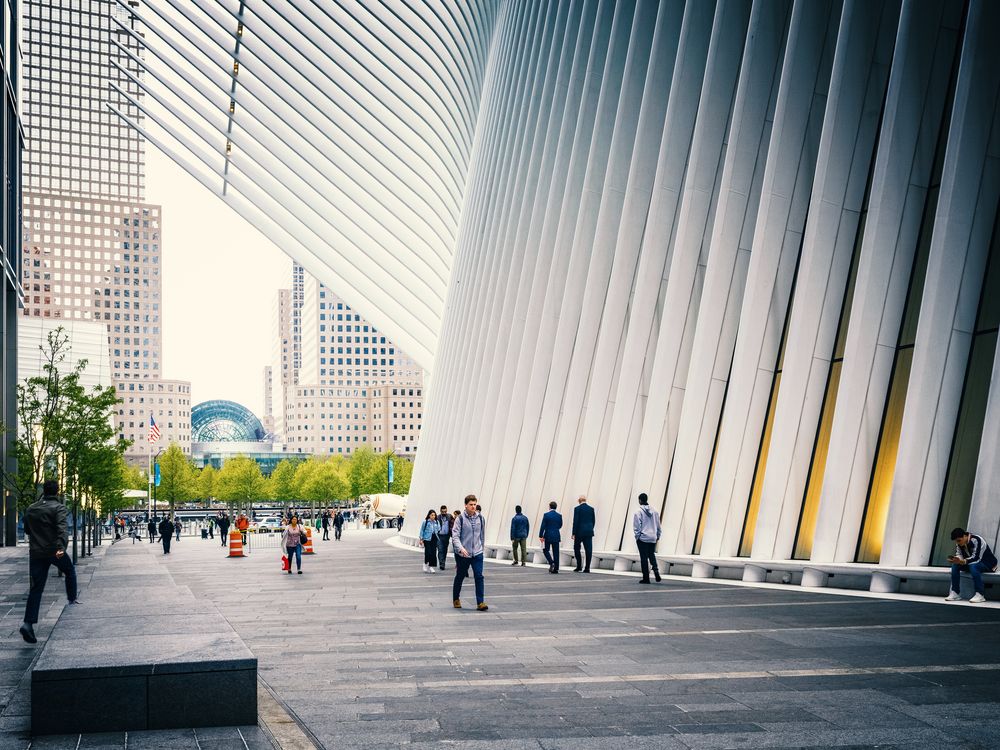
(269, 525)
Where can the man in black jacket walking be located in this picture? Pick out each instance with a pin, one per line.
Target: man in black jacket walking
(151, 528)
(583, 533)
(166, 533)
(45, 525)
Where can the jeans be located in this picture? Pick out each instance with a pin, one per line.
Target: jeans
(551, 551)
(38, 570)
(178, 534)
(647, 557)
(296, 553)
(462, 565)
(211, 532)
(519, 544)
(588, 546)
(336, 532)
(326, 533)
(975, 570)
(224, 535)
(442, 548)
(166, 544)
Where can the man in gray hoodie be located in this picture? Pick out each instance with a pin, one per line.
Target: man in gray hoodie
(646, 527)
(468, 538)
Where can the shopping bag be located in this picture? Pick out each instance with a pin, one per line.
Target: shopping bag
(285, 562)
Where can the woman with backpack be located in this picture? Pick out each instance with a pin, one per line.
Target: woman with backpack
(428, 540)
(292, 539)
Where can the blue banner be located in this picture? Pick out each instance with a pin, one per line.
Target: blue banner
(156, 475)
(390, 471)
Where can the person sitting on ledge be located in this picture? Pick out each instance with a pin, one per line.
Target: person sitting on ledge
(974, 556)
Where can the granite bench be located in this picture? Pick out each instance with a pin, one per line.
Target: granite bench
(139, 653)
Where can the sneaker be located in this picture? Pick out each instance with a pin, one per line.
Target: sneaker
(952, 596)
(289, 571)
(656, 573)
(482, 606)
(300, 572)
(522, 565)
(434, 570)
(643, 580)
(977, 599)
(458, 603)
(28, 633)
(577, 570)
(426, 567)
(514, 563)
(76, 601)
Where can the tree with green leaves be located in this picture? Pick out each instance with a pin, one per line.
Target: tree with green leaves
(326, 483)
(177, 480)
(366, 472)
(282, 481)
(240, 481)
(206, 483)
(402, 470)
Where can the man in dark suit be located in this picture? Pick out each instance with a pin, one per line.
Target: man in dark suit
(550, 537)
(583, 533)
(166, 530)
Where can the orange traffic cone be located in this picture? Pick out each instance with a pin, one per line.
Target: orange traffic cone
(308, 547)
(235, 544)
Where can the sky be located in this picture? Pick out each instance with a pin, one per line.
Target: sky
(220, 282)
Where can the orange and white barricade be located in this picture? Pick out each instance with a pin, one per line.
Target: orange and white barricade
(307, 548)
(236, 544)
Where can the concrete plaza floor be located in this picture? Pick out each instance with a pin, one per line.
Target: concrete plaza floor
(365, 651)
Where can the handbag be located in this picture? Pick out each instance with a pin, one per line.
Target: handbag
(286, 564)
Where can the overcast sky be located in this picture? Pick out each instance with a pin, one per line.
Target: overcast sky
(220, 282)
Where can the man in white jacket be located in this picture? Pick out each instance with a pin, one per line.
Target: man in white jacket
(646, 527)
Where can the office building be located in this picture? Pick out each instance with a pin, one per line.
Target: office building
(92, 246)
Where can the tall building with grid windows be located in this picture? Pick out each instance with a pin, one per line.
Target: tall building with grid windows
(91, 243)
(10, 247)
(343, 383)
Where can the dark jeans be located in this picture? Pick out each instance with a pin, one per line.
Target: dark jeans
(647, 558)
(462, 565)
(975, 570)
(337, 531)
(442, 549)
(152, 537)
(326, 533)
(211, 532)
(552, 553)
(224, 535)
(588, 546)
(430, 552)
(166, 544)
(38, 569)
(178, 532)
(294, 552)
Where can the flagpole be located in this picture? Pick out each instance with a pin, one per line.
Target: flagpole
(149, 489)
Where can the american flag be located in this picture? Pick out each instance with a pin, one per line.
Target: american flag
(154, 430)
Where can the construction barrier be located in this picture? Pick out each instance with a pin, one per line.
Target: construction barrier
(307, 549)
(236, 544)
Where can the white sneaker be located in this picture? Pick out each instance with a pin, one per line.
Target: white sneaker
(977, 599)
(434, 570)
(952, 597)
(426, 568)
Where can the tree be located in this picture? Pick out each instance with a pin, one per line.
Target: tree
(240, 481)
(134, 478)
(283, 481)
(366, 473)
(402, 470)
(326, 482)
(176, 477)
(206, 483)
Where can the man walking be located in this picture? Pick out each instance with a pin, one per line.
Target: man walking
(973, 556)
(326, 526)
(211, 527)
(443, 535)
(338, 525)
(520, 527)
(550, 536)
(646, 527)
(151, 528)
(45, 525)
(177, 528)
(166, 534)
(223, 522)
(583, 533)
(468, 537)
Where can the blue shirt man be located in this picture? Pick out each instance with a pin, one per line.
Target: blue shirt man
(520, 527)
(583, 533)
(550, 537)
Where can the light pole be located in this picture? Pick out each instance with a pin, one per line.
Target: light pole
(150, 500)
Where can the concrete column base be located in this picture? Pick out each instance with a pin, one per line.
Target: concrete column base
(754, 574)
(566, 559)
(623, 564)
(814, 579)
(884, 583)
(539, 558)
(701, 569)
(503, 553)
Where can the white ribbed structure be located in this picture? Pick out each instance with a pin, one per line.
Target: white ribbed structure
(734, 254)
